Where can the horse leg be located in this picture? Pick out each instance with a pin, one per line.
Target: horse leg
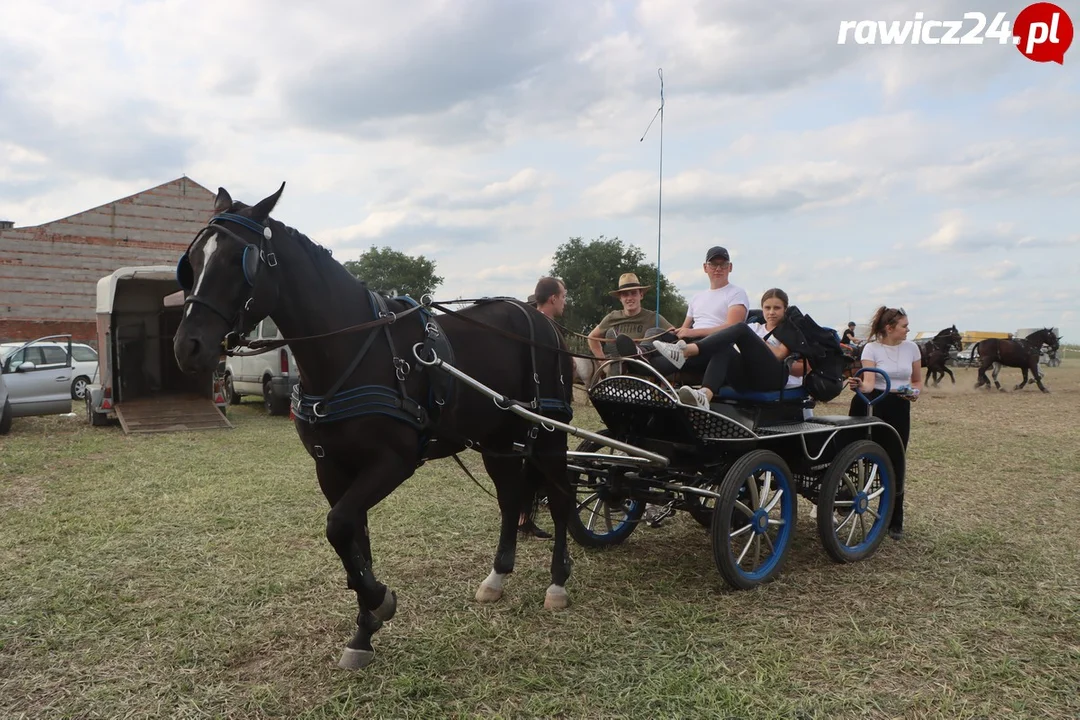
(506, 473)
(551, 463)
(347, 532)
(983, 380)
(1024, 372)
(951, 376)
(997, 369)
(1038, 376)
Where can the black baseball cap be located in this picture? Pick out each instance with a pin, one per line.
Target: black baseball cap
(717, 252)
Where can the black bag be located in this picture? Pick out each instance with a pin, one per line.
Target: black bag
(820, 346)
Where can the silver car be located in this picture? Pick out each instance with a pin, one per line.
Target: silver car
(36, 381)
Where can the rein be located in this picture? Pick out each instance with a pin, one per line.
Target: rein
(262, 346)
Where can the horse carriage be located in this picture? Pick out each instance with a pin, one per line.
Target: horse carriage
(737, 468)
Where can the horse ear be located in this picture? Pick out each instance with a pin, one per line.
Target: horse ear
(223, 201)
(261, 211)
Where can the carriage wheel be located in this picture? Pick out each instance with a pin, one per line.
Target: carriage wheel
(856, 501)
(601, 517)
(754, 520)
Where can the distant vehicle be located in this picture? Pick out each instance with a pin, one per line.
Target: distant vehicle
(84, 361)
(270, 375)
(35, 380)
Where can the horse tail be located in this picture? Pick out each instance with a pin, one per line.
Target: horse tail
(975, 353)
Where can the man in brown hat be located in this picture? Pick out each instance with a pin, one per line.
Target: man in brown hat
(633, 320)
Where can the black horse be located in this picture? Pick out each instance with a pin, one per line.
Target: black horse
(1023, 354)
(935, 353)
(366, 411)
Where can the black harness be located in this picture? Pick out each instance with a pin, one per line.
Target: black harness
(336, 405)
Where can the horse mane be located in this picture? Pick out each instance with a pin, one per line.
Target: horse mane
(320, 256)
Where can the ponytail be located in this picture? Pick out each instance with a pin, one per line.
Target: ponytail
(883, 318)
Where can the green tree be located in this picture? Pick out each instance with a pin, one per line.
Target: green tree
(389, 271)
(591, 269)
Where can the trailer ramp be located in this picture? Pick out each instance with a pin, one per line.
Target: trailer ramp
(170, 413)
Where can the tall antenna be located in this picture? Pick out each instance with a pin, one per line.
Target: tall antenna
(660, 202)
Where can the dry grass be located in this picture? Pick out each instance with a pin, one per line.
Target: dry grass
(186, 575)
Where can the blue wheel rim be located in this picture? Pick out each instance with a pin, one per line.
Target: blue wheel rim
(880, 505)
(622, 527)
(786, 505)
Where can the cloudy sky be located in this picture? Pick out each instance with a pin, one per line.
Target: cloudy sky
(484, 133)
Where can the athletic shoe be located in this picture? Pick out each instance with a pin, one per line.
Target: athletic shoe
(672, 351)
(695, 397)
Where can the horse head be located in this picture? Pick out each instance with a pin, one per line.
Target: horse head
(226, 276)
(1042, 337)
(956, 340)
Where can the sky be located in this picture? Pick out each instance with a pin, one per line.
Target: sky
(483, 134)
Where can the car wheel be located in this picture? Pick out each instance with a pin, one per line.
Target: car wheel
(78, 387)
(230, 391)
(5, 418)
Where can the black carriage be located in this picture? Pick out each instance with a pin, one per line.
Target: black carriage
(737, 468)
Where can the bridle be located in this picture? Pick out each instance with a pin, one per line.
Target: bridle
(254, 258)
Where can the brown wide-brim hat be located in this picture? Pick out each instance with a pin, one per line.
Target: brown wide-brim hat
(628, 281)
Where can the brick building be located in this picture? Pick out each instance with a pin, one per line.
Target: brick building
(49, 272)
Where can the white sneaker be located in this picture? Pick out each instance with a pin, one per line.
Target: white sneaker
(695, 397)
(672, 351)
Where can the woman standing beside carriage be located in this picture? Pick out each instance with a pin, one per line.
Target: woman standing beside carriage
(890, 351)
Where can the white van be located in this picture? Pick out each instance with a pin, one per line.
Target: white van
(269, 375)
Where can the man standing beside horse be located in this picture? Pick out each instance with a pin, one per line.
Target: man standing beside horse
(550, 299)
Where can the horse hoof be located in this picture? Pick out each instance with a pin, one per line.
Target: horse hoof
(355, 659)
(487, 594)
(556, 598)
(389, 606)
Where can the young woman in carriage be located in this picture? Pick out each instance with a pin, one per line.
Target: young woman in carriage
(744, 356)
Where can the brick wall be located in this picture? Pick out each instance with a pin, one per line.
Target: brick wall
(49, 273)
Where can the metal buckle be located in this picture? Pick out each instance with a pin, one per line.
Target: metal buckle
(432, 329)
(390, 314)
(315, 410)
(401, 368)
(319, 451)
(249, 303)
(270, 258)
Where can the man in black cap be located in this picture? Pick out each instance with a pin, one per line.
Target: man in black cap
(849, 335)
(723, 304)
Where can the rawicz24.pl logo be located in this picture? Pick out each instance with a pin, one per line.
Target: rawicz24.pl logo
(1041, 32)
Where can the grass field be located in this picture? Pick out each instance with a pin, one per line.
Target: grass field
(186, 575)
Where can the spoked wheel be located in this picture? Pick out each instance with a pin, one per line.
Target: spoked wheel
(754, 520)
(856, 501)
(602, 516)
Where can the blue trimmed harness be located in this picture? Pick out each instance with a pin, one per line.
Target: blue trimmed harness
(364, 400)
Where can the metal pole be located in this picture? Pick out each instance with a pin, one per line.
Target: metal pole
(660, 201)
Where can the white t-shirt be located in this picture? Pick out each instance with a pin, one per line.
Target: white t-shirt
(759, 328)
(893, 359)
(710, 308)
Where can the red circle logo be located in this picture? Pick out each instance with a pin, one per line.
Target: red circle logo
(1043, 32)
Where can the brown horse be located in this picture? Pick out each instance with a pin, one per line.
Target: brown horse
(935, 353)
(1023, 354)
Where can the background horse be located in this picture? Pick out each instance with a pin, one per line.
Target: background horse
(1023, 354)
(366, 411)
(935, 354)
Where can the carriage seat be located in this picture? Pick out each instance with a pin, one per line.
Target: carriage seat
(795, 394)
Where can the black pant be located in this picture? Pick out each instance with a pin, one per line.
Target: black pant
(752, 367)
(896, 411)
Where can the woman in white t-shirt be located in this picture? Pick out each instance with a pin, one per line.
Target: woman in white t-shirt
(745, 357)
(890, 351)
